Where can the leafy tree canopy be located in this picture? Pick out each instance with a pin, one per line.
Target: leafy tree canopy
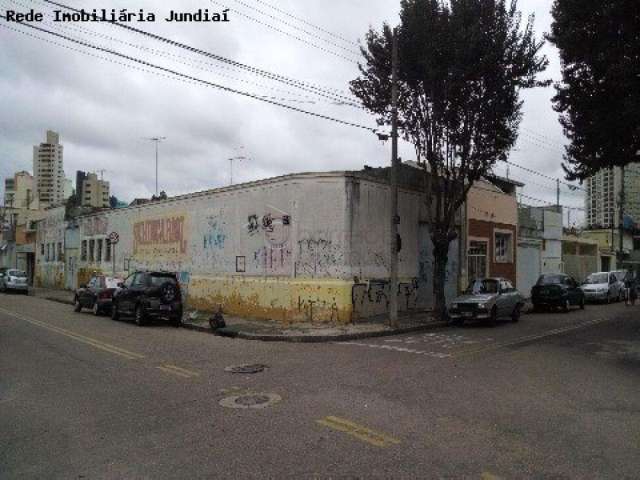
(599, 96)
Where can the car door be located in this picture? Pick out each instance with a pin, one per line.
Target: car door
(503, 300)
(614, 288)
(124, 294)
(85, 296)
(137, 289)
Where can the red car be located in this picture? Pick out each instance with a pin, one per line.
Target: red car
(97, 294)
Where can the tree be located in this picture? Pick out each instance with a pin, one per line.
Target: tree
(599, 96)
(462, 65)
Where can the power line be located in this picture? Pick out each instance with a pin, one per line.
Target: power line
(534, 172)
(306, 22)
(334, 93)
(284, 22)
(194, 79)
(284, 32)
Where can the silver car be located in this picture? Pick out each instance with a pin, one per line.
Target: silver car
(487, 299)
(603, 287)
(15, 280)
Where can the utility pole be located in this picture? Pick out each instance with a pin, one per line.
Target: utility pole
(157, 140)
(395, 219)
(558, 194)
(621, 213)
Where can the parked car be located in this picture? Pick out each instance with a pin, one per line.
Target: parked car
(487, 299)
(557, 291)
(146, 295)
(14, 280)
(97, 294)
(603, 287)
(621, 275)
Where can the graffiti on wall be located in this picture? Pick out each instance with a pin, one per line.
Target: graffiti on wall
(318, 309)
(273, 257)
(369, 299)
(318, 257)
(158, 238)
(215, 235)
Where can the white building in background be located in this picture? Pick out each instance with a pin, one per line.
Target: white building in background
(48, 171)
(18, 190)
(93, 192)
(603, 196)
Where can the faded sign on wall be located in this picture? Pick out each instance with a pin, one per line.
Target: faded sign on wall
(160, 238)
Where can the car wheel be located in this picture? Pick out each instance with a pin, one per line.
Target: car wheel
(96, 309)
(566, 306)
(77, 306)
(140, 316)
(515, 316)
(177, 321)
(114, 311)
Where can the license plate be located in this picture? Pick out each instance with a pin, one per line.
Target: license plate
(468, 314)
(165, 307)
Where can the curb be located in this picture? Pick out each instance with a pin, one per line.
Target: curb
(229, 333)
(57, 300)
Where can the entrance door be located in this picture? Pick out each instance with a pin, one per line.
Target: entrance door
(477, 259)
(425, 298)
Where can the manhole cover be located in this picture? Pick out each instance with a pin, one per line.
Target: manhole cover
(254, 400)
(246, 369)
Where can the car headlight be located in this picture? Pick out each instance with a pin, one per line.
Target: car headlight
(454, 306)
(482, 306)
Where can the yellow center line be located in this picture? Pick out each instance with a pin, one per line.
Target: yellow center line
(80, 338)
(358, 431)
(174, 372)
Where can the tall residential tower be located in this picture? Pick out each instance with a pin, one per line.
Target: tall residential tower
(48, 171)
(603, 196)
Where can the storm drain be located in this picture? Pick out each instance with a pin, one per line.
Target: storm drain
(246, 369)
(253, 400)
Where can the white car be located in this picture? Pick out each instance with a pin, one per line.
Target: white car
(15, 280)
(603, 287)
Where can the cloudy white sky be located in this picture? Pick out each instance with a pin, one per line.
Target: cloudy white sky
(103, 110)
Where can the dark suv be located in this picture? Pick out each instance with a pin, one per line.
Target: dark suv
(146, 295)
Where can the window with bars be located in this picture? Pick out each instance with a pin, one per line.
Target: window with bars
(503, 247)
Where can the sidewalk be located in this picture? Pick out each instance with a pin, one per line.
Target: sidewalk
(271, 331)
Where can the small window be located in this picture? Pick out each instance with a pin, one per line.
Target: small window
(503, 247)
(83, 251)
(92, 250)
(107, 250)
(60, 253)
(42, 249)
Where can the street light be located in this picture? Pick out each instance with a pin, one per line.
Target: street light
(231, 160)
(156, 140)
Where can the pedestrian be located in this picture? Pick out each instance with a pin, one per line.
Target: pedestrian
(631, 285)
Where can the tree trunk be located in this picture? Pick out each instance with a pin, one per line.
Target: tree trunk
(440, 260)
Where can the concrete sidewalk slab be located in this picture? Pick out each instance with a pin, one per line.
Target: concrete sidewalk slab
(276, 332)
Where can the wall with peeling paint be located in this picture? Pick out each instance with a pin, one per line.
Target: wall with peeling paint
(50, 250)
(306, 247)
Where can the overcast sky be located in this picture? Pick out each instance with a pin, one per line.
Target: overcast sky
(103, 110)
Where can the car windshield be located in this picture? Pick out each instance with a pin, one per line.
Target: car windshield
(159, 280)
(596, 278)
(17, 273)
(550, 280)
(111, 282)
(483, 286)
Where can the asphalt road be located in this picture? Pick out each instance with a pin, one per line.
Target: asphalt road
(555, 396)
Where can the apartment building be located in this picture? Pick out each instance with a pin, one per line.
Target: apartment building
(48, 171)
(603, 196)
(92, 191)
(18, 190)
